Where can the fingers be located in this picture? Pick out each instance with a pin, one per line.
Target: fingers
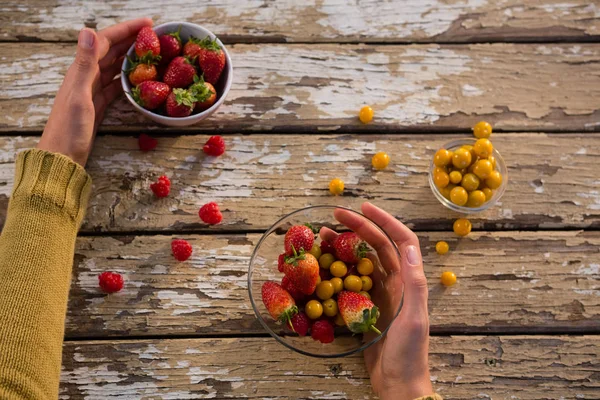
(85, 66)
(415, 283)
(396, 229)
(109, 73)
(114, 34)
(327, 234)
(117, 51)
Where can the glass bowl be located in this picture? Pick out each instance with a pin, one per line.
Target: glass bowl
(500, 167)
(387, 292)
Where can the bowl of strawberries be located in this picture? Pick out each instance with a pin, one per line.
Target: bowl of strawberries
(320, 288)
(177, 73)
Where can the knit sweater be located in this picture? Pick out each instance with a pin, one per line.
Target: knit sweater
(37, 244)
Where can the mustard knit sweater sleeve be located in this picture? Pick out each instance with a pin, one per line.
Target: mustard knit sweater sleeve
(36, 255)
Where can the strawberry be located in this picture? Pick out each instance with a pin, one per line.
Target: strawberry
(358, 312)
(180, 73)
(192, 48)
(299, 324)
(205, 94)
(327, 247)
(142, 70)
(292, 290)
(303, 271)
(350, 248)
(280, 262)
(180, 103)
(211, 59)
(298, 238)
(150, 94)
(278, 302)
(146, 142)
(170, 46)
(147, 42)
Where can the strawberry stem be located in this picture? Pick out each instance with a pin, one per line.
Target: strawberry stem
(374, 329)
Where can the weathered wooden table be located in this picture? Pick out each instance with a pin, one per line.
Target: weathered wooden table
(524, 320)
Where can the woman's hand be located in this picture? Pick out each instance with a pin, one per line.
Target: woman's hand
(397, 364)
(88, 88)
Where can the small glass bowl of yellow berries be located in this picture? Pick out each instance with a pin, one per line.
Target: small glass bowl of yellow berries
(468, 175)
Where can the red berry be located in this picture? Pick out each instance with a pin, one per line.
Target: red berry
(297, 238)
(162, 187)
(324, 274)
(350, 248)
(170, 46)
(180, 73)
(210, 213)
(182, 249)
(322, 331)
(146, 142)
(215, 146)
(180, 103)
(287, 284)
(147, 42)
(151, 94)
(280, 262)
(110, 282)
(327, 247)
(300, 324)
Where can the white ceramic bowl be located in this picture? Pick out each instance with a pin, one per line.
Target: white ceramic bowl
(222, 86)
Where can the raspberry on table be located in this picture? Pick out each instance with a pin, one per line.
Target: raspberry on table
(215, 146)
(162, 187)
(182, 249)
(146, 142)
(300, 324)
(210, 213)
(323, 331)
(110, 282)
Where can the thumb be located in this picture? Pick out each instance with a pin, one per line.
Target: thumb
(86, 60)
(415, 283)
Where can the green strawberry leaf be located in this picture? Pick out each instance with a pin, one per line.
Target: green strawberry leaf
(210, 44)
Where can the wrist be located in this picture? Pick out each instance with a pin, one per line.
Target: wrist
(411, 391)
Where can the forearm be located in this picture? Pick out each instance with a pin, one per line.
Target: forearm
(36, 255)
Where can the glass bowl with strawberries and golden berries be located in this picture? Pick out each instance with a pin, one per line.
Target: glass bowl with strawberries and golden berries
(321, 289)
(468, 175)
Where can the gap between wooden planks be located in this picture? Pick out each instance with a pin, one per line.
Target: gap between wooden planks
(474, 367)
(297, 87)
(508, 282)
(319, 21)
(553, 180)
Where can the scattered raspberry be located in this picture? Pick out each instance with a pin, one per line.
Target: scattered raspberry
(210, 214)
(300, 324)
(280, 262)
(182, 249)
(110, 282)
(327, 247)
(162, 187)
(146, 142)
(215, 146)
(322, 331)
(291, 289)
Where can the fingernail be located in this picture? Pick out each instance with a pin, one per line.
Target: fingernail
(86, 39)
(412, 256)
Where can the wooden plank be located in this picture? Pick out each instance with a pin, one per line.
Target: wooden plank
(302, 87)
(318, 21)
(475, 367)
(521, 281)
(553, 180)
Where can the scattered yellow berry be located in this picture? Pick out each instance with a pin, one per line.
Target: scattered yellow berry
(324, 290)
(494, 180)
(336, 186)
(365, 266)
(316, 251)
(459, 196)
(442, 158)
(338, 284)
(353, 283)
(482, 130)
(326, 260)
(483, 148)
(470, 182)
(330, 307)
(448, 278)
(338, 269)
(461, 158)
(476, 199)
(488, 193)
(462, 227)
(366, 294)
(442, 247)
(441, 179)
(339, 321)
(455, 177)
(365, 114)
(380, 160)
(313, 309)
(483, 168)
(367, 283)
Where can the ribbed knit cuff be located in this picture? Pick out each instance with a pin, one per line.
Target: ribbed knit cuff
(432, 397)
(45, 179)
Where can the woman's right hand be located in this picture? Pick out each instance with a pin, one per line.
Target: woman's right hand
(397, 364)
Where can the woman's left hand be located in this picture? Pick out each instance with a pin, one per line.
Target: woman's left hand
(88, 88)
